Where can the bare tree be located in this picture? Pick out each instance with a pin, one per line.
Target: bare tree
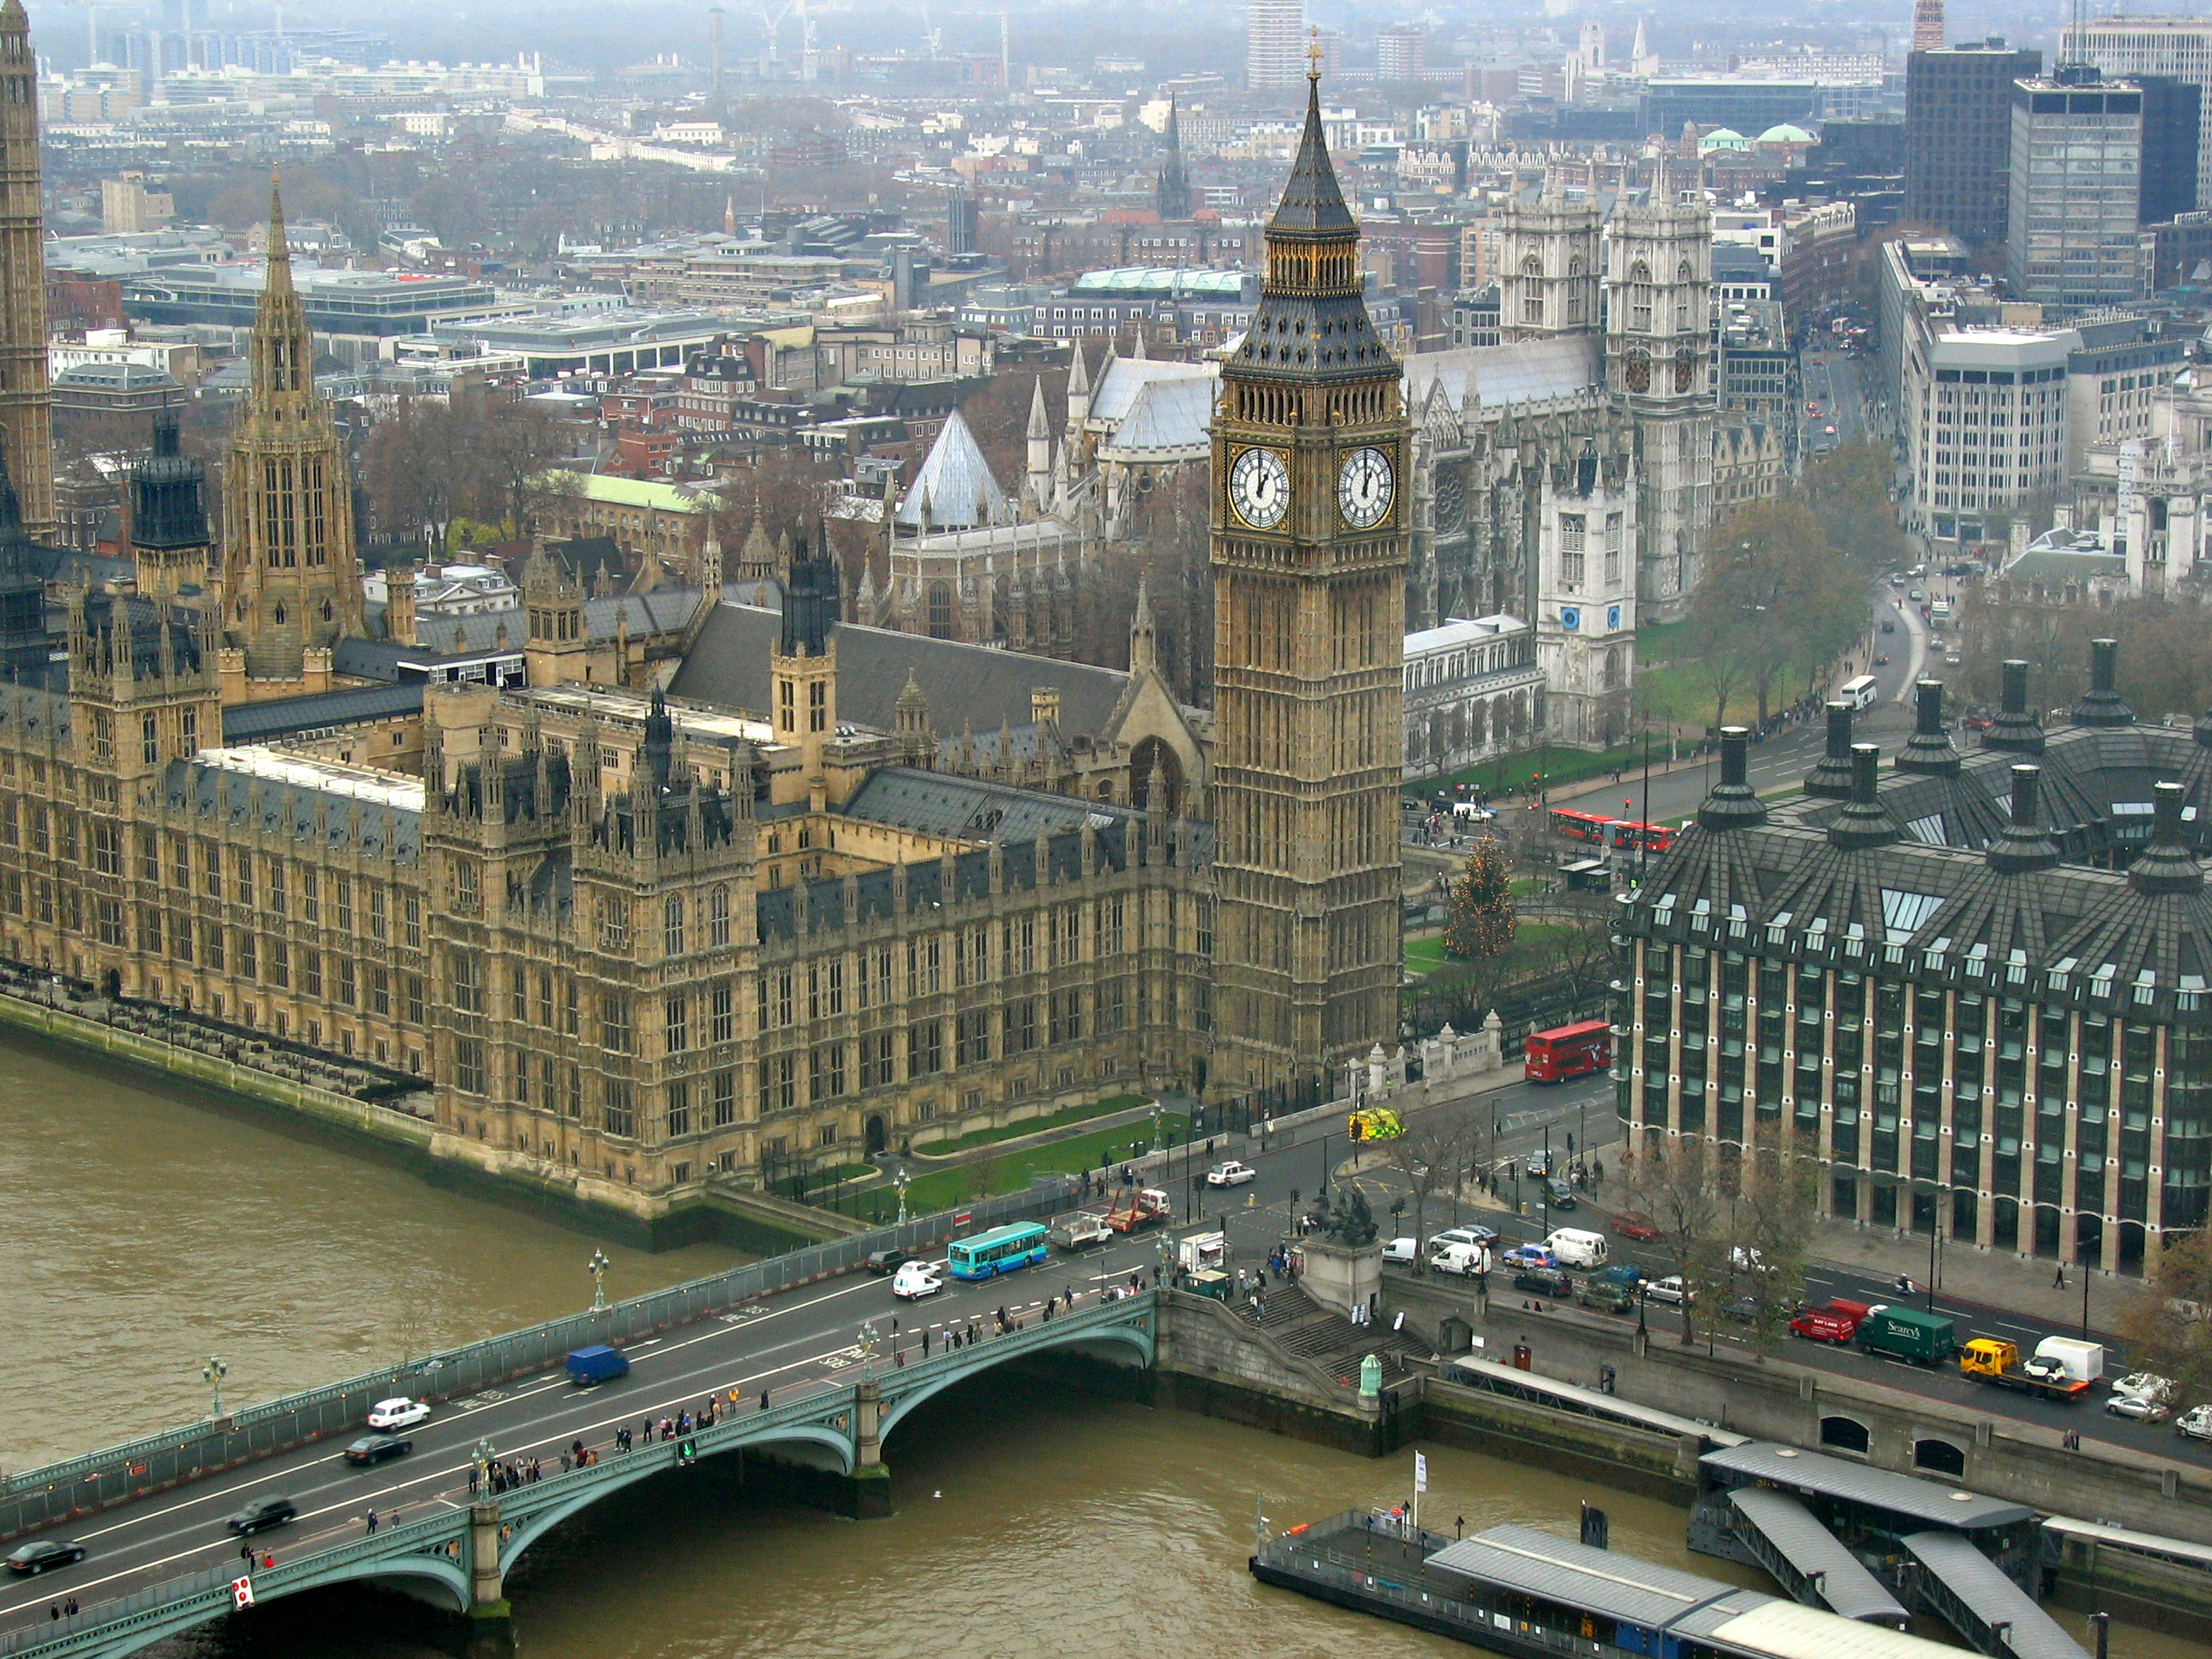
(1673, 1180)
(1771, 1191)
(2167, 1326)
(1433, 1153)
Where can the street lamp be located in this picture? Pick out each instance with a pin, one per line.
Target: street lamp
(597, 1267)
(900, 1181)
(867, 1347)
(1159, 1145)
(482, 1457)
(212, 1374)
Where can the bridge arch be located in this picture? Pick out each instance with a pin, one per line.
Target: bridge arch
(449, 1575)
(628, 1472)
(1133, 1338)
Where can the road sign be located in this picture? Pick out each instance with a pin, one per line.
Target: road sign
(241, 1592)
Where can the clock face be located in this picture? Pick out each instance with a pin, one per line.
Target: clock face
(1638, 373)
(1364, 487)
(1260, 487)
(1686, 369)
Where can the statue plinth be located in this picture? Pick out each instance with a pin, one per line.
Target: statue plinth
(1340, 1277)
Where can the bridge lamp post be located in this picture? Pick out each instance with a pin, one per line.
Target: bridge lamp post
(597, 1266)
(867, 1349)
(900, 1181)
(1159, 1145)
(212, 1374)
(480, 1456)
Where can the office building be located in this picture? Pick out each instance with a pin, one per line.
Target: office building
(2173, 132)
(1984, 413)
(1274, 42)
(1958, 136)
(1971, 985)
(2178, 47)
(2075, 187)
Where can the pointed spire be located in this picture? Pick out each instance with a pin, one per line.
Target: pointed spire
(1040, 428)
(1313, 200)
(1143, 650)
(279, 252)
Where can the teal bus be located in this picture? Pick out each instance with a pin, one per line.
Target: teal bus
(1001, 1250)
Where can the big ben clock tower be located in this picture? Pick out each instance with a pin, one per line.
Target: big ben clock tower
(1309, 552)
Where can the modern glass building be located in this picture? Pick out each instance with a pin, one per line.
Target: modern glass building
(2076, 183)
(1973, 986)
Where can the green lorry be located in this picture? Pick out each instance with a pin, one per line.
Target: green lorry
(1925, 1339)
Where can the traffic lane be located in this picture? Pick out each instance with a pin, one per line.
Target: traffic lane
(536, 1417)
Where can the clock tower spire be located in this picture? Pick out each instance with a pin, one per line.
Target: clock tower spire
(1310, 546)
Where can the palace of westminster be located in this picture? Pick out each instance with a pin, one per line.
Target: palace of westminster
(661, 888)
(702, 892)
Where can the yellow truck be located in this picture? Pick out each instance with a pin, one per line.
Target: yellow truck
(1997, 1362)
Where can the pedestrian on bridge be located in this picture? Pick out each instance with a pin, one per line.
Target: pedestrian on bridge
(925, 1342)
(763, 1399)
(372, 1521)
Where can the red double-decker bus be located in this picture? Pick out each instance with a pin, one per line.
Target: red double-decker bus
(1654, 837)
(1566, 1051)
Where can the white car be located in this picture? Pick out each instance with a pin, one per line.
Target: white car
(399, 1413)
(1669, 1289)
(2145, 1385)
(2141, 1407)
(1231, 1173)
(915, 1280)
(2195, 1424)
(1400, 1250)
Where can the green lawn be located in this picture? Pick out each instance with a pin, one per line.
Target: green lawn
(1029, 1126)
(1526, 954)
(1425, 956)
(942, 1190)
(1557, 767)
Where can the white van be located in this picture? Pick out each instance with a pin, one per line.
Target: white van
(1468, 1260)
(1573, 1247)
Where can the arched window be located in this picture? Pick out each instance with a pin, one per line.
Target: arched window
(1846, 1434)
(1938, 1457)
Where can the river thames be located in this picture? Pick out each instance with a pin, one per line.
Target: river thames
(151, 1233)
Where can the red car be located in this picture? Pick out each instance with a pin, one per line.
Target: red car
(1637, 1227)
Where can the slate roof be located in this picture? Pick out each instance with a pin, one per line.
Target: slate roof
(1493, 377)
(966, 686)
(1123, 382)
(1170, 417)
(1928, 898)
(285, 717)
(974, 808)
(220, 795)
(1312, 204)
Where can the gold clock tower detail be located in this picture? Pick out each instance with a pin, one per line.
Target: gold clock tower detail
(1308, 554)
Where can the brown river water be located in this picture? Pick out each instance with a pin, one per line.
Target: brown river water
(150, 1231)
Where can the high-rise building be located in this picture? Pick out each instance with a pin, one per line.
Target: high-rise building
(2177, 46)
(2173, 139)
(291, 586)
(1309, 556)
(1274, 42)
(1927, 25)
(2075, 189)
(1402, 52)
(25, 419)
(1958, 135)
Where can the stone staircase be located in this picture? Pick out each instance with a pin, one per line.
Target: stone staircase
(1301, 1326)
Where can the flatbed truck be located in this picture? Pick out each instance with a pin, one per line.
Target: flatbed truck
(1993, 1360)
